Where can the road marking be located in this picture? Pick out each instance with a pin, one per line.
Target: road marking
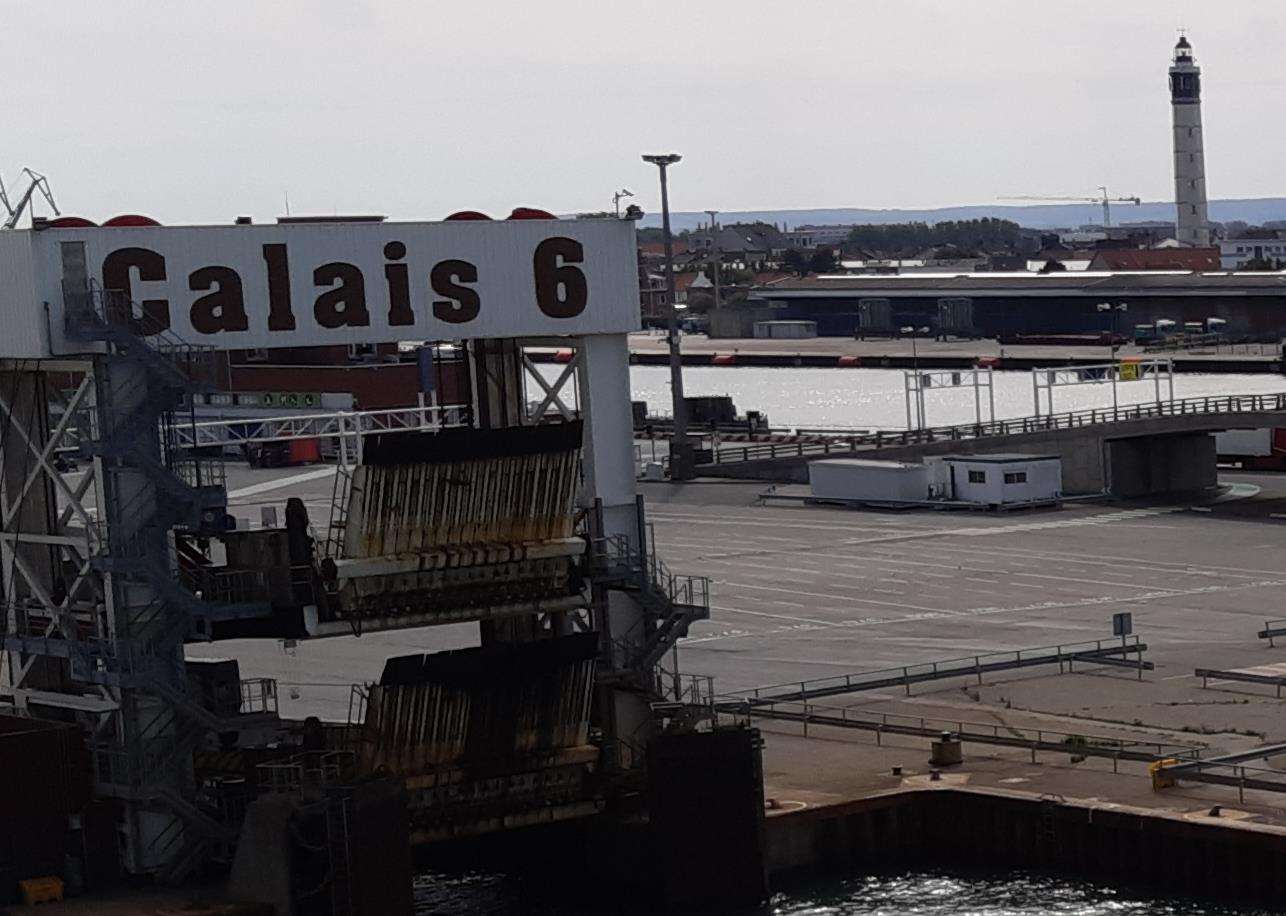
(942, 614)
(280, 482)
(736, 610)
(1131, 563)
(1083, 581)
(839, 598)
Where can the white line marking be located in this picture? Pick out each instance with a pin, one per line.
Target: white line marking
(280, 482)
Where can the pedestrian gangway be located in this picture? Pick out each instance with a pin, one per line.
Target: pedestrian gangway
(819, 443)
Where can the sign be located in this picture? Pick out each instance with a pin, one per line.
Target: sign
(315, 284)
(1122, 624)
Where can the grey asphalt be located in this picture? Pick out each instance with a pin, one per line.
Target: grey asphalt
(803, 592)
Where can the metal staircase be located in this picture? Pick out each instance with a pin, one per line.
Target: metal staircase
(148, 490)
(672, 602)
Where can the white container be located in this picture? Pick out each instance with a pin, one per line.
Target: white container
(1003, 479)
(862, 480)
(1244, 443)
(785, 330)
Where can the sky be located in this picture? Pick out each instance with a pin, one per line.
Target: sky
(200, 112)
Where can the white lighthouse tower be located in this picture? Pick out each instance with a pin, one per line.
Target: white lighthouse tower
(1192, 222)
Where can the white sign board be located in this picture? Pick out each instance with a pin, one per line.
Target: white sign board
(310, 284)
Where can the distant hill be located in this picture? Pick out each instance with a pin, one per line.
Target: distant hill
(1254, 210)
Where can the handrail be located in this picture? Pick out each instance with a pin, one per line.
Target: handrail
(320, 425)
(1076, 419)
(1035, 738)
(637, 647)
(962, 666)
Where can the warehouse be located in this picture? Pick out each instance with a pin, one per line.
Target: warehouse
(1006, 304)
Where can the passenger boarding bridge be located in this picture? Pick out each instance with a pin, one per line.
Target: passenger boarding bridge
(524, 520)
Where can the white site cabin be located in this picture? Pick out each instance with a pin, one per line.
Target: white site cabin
(977, 480)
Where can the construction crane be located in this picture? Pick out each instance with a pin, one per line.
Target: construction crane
(36, 182)
(1103, 199)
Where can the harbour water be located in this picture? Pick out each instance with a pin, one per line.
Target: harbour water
(916, 893)
(941, 893)
(874, 398)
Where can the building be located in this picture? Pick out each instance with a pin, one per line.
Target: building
(746, 244)
(816, 236)
(1189, 148)
(1009, 304)
(1234, 254)
(1122, 259)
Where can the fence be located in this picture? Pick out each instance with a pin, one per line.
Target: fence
(724, 453)
(1100, 651)
(993, 733)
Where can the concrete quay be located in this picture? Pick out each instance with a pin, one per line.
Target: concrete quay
(898, 353)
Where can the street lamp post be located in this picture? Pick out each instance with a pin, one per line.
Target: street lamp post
(919, 382)
(714, 256)
(1115, 310)
(680, 448)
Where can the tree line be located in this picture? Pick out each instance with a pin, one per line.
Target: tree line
(986, 234)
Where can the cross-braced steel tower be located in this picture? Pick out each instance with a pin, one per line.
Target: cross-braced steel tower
(1192, 220)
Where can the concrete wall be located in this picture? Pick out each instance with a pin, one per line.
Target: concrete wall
(984, 828)
(1161, 464)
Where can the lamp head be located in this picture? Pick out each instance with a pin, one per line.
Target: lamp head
(662, 159)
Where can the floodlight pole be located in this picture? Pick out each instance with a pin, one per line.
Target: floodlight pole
(680, 448)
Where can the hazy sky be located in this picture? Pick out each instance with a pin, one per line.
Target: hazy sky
(198, 112)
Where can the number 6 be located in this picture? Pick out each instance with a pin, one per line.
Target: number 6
(561, 290)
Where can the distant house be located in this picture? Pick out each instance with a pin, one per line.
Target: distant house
(652, 291)
(750, 244)
(1156, 259)
(1234, 253)
(816, 236)
(655, 251)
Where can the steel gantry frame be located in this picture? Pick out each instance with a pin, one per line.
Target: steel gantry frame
(94, 615)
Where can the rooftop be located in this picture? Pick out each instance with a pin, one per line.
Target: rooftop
(1087, 282)
(1000, 458)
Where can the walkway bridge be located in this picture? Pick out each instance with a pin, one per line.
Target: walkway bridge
(1131, 450)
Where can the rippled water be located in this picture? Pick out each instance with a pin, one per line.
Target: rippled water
(933, 893)
(927, 893)
(873, 398)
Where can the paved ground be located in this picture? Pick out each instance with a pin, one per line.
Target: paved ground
(804, 592)
(807, 592)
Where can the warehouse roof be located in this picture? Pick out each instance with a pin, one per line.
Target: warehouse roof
(1001, 458)
(1078, 283)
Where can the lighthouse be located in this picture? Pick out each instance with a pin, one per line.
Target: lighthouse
(1192, 221)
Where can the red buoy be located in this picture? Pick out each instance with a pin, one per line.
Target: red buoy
(850, 360)
(723, 359)
(563, 356)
